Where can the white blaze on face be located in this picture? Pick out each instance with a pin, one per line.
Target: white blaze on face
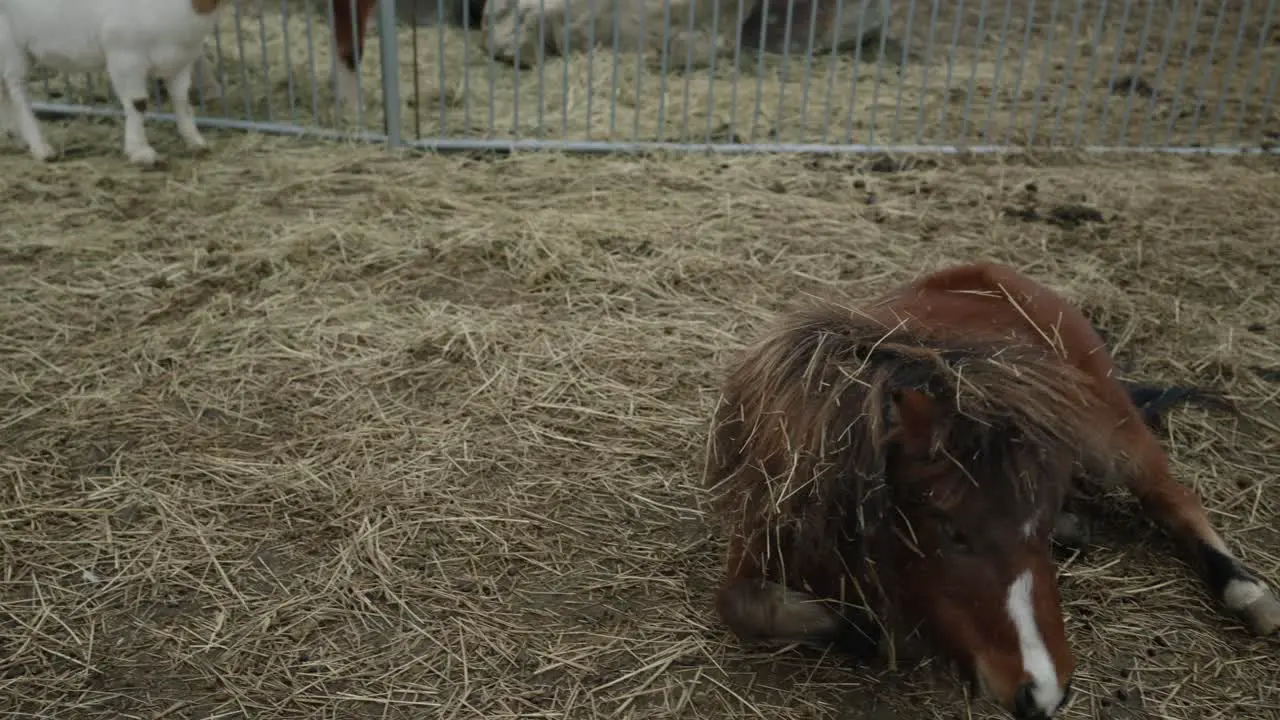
(1036, 661)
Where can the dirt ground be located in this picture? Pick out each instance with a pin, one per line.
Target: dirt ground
(311, 431)
(1066, 73)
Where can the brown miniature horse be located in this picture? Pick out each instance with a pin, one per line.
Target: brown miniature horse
(894, 474)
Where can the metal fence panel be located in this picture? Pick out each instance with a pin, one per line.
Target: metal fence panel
(745, 75)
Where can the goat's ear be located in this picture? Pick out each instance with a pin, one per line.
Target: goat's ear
(914, 416)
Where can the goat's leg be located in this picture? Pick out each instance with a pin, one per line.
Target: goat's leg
(6, 112)
(179, 85)
(16, 108)
(128, 73)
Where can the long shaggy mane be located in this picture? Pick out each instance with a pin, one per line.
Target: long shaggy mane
(797, 454)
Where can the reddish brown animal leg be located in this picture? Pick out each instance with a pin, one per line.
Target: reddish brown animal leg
(1180, 511)
(766, 612)
(762, 611)
(348, 34)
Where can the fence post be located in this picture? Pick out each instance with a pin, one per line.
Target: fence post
(388, 42)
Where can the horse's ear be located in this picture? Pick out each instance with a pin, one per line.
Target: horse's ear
(915, 415)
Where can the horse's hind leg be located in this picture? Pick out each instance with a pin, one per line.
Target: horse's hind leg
(1182, 514)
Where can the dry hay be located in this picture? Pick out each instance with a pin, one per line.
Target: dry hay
(301, 431)
(1054, 83)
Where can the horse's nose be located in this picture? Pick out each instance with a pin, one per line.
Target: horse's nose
(1032, 703)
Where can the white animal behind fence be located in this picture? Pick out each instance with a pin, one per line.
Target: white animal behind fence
(130, 39)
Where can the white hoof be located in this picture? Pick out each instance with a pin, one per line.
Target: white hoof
(1254, 603)
(41, 153)
(143, 156)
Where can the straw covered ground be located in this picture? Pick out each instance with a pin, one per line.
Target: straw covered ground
(1090, 71)
(302, 431)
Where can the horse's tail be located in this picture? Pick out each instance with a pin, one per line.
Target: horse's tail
(1153, 400)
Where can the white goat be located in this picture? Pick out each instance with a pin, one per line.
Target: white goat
(132, 39)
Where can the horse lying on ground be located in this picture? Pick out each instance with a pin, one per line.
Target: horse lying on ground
(892, 476)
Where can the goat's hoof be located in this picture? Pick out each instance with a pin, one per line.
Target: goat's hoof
(197, 145)
(145, 156)
(42, 153)
(1255, 605)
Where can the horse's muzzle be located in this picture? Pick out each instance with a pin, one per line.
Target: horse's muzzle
(1027, 704)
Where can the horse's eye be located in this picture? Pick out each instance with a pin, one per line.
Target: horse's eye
(956, 537)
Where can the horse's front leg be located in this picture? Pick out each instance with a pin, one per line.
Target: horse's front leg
(1179, 510)
(757, 609)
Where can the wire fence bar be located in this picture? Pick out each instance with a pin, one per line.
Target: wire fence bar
(390, 68)
(735, 76)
